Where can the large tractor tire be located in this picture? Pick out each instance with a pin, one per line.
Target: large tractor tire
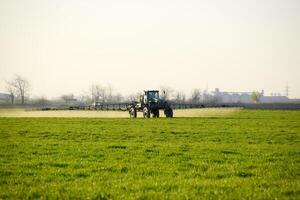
(132, 112)
(168, 112)
(156, 113)
(146, 112)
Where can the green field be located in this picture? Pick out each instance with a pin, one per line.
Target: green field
(245, 154)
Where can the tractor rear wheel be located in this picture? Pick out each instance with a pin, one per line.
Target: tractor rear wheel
(146, 112)
(156, 113)
(132, 112)
(169, 112)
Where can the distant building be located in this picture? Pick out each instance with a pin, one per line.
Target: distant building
(232, 97)
(245, 97)
(4, 96)
(71, 100)
(274, 99)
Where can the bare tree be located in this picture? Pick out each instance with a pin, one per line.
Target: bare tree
(20, 85)
(179, 97)
(109, 94)
(67, 97)
(183, 98)
(205, 96)
(196, 96)
(118, 98)
(130, 98)
(12, 92)
(42, 101)
(99, 93)
(95, 92)
(255, 96)
(133, 97)
(86, 99)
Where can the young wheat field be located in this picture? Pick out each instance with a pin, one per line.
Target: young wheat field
(199, 154)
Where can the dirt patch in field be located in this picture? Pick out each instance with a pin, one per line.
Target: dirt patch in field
(205, 112)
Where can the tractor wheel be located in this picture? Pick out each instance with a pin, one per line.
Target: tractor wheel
(146, 112)
(132, 112)
(169, 112)
(156, 113)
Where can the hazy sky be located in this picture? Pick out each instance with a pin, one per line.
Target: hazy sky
(64, 46)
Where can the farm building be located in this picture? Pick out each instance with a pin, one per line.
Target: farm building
(4, 96)
(232, 97)
(245, 97)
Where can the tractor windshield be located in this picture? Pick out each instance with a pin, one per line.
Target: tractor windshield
(153, 95)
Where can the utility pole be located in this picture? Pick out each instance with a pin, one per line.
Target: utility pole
(287, 90)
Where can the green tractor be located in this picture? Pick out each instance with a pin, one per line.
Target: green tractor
(149, 103)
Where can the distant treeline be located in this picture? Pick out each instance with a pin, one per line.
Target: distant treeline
(18, 94)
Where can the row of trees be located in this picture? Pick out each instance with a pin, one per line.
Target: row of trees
(196, 96)
(18, 88)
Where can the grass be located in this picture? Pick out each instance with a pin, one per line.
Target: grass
(247, 154)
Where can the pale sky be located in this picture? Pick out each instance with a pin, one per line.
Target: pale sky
(63, 46)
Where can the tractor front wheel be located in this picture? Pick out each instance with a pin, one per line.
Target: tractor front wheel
(132, 112)
(146, 112)
(156, 113)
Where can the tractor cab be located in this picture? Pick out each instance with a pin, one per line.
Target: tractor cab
(151, 96)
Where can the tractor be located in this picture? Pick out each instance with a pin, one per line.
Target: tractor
(149, 103)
